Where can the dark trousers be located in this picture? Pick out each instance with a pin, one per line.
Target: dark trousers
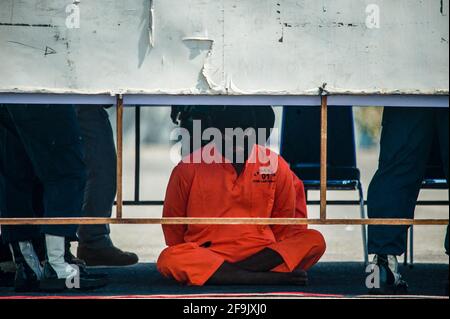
(5, 253)
(40, 143)
(100, 159)
(406, 143)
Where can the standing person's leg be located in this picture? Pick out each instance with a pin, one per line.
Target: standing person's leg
(52, 141)
(95, 245)
(5, 254)
(442, 119)
(404, 151)
(17, 202)
(17, 178)
(100, 159)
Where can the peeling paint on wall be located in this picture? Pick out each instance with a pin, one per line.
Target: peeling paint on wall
(224, 47)
(151, 25)
(27, 25)
(444, 7)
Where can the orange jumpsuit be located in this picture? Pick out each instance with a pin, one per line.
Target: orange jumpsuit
(196, 252)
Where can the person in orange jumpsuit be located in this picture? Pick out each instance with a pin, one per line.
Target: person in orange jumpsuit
(237, 254)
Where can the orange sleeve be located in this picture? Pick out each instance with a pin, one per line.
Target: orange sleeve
(290, 201)
(285, 197)
(300, 199)
(175, 204)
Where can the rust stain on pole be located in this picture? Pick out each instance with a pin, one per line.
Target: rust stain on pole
(119, 200)
(323, 157)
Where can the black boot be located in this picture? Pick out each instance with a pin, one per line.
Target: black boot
(391, 282)
(80, 279)
(72, 260)
(28, 269)
(108, 256)
(59, 275)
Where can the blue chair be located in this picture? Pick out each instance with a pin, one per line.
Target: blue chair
(300, 146)
(434, 179)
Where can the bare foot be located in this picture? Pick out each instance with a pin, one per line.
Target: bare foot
(230, 274)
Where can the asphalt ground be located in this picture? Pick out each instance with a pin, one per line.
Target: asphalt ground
(329, 280)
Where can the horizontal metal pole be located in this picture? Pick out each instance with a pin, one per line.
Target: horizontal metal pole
(310, 202)
(253, 100)
(291, 100)
(142, 203)
(286, 100)
(218, 221)
(356, 203)
(36, 98)
(390, 100)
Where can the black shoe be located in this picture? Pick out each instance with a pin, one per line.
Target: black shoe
(84, 272)
(70, 258)
(51, 283)
(108, 256)
(391, 282)
(26, 279)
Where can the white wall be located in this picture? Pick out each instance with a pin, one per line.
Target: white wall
(224, 47)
